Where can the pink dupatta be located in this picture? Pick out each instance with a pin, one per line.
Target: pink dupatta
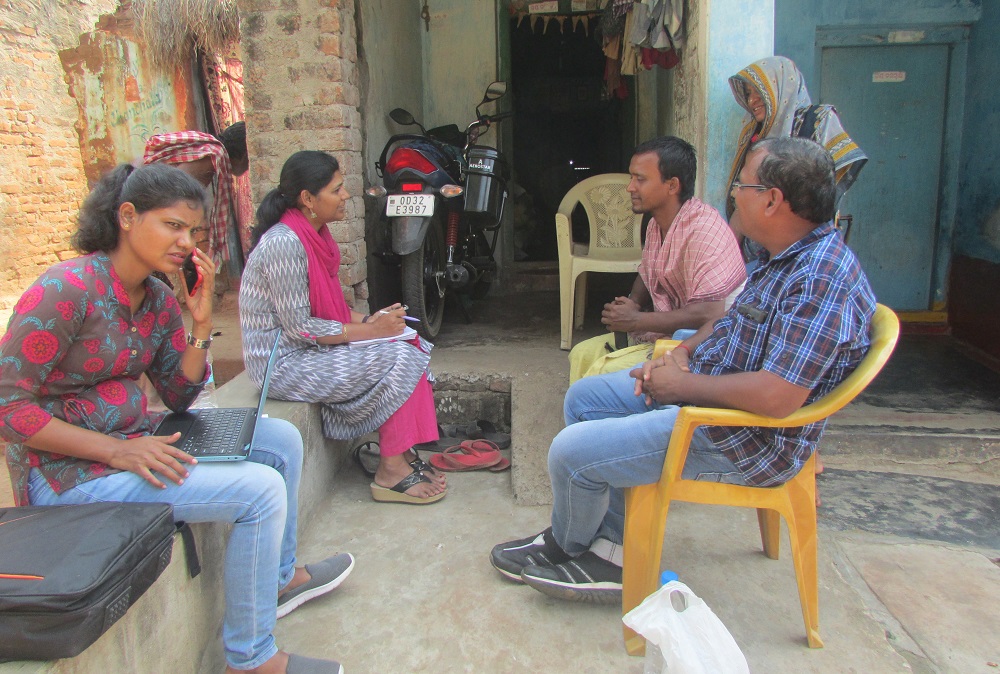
(326, 297)
(416, 420)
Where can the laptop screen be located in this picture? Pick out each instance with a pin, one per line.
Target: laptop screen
(267, 382)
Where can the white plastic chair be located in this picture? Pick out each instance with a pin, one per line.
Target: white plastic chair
(615, 242)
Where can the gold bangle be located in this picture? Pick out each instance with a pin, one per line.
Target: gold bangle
(198, 343)
(343, 330)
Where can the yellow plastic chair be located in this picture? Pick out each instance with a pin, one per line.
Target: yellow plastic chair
(615, 242)
(646, 506)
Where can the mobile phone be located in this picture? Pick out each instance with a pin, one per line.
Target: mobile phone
(192, 274)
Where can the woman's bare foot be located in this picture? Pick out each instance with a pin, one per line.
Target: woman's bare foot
(392, 469)
(436, 476)
(300, 577)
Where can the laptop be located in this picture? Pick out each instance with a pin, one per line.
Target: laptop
(221, 433)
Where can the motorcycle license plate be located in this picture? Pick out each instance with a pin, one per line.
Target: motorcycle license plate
(402, 205)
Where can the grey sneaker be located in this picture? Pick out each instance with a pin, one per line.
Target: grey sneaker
(298, 664)
(510, 558)
(586, 578)
(326, 576)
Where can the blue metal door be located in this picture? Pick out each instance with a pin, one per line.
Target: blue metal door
(891, 100)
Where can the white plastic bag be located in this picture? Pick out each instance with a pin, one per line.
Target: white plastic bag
(691, 637)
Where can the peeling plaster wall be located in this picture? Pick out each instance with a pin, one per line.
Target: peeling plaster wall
(301, 83)
(41, 172)
(689, 87)
(121, 100)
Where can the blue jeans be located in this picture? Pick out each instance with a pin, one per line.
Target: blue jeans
(258, 496)
(613, 440)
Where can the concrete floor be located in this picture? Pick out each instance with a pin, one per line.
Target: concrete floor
(424, 598)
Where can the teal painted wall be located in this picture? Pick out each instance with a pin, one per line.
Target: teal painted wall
(978, 231)
(969, 215)
(796, 21)
(739, 33)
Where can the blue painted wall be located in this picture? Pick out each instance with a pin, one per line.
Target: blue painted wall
(970, 220)
(732, 45)
(978, 231)
(796, 21)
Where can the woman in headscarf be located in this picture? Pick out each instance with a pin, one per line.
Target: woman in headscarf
(774, 94)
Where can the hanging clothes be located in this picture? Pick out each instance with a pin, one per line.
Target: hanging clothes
(653, 26)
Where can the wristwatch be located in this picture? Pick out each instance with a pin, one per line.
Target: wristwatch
(198, 343)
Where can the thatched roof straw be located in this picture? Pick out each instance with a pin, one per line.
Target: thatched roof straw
(169, 30)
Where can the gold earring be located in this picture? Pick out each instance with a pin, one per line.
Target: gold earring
(312, 214)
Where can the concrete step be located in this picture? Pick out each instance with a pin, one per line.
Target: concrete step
(534, 276)
(907, 444)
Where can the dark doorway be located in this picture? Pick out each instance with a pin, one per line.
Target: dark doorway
(567, 126)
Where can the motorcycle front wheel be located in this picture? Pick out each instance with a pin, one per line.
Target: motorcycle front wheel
(423, 280)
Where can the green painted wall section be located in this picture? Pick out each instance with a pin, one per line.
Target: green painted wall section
(390, 60)
(460, 59)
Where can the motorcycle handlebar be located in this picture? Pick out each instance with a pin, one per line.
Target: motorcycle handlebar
(485, 122)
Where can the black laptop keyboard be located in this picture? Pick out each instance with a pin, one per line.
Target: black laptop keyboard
(217, 432)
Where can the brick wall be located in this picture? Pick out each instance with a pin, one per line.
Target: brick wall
(41, 173)
(301, 82)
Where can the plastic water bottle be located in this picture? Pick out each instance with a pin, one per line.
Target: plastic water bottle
(654, 662)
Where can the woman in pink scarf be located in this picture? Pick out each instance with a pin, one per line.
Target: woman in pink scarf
(291, 285)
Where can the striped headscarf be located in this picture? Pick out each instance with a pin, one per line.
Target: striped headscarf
(786, 101)
(181, 147)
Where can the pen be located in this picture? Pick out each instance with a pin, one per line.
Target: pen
(411, 318)
(404, 308)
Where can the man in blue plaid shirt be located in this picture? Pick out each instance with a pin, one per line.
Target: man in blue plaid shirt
(801, 325)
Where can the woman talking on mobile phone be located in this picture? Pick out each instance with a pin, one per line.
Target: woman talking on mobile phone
(76, 419)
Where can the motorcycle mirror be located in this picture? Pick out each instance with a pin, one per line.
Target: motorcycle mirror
(495, 91)
(401, 116)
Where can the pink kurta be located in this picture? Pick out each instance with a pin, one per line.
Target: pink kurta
(698, 261)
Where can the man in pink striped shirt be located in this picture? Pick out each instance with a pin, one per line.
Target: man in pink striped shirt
(691, 263)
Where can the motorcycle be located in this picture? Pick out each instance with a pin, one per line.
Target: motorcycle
(439, 238)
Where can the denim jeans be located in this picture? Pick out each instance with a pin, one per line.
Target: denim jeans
(258, 496)
(613, 440)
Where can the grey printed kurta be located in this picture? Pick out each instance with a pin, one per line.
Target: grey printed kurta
(359, 386)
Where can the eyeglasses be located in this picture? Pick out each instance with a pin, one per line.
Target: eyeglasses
(737, 185)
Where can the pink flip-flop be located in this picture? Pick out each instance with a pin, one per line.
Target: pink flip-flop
(485, 446)
(468, 455)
